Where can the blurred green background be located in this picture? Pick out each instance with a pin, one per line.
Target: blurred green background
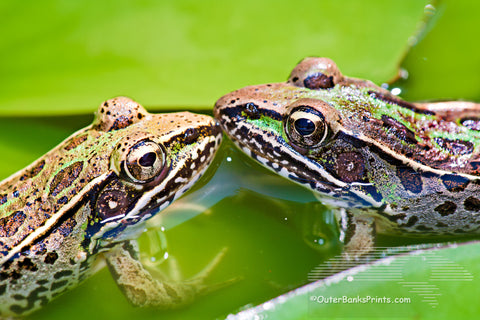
(60, 59)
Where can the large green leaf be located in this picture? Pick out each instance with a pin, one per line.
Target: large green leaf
(425, 284)
(61, 57)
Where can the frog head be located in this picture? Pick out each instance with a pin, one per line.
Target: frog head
(152, 160)
(307, 130)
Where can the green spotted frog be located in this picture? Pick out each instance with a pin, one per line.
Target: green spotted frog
(381, 163)
(85, 200)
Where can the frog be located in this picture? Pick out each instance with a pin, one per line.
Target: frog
(383, 165)
(83, 204)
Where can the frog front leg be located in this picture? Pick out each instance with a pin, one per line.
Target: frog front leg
(144, 290)
(357, 232)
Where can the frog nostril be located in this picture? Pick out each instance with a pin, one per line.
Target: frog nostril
(251, 110)
(191, 134)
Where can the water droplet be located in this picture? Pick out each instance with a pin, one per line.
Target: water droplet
(403, 73)
(396, 91)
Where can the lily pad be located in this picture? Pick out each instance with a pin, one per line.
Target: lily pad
(418, 285)
(64, 57)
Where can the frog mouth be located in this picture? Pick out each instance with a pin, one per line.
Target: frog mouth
(270, 149)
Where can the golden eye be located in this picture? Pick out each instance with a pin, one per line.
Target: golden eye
(145, 161)
(306, 127)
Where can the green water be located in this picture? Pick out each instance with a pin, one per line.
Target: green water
(265, 239)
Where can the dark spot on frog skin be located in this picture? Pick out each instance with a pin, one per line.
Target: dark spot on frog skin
(472, 204)
(65, 178)
(62, 274)
(15, 275)
(51, 257)
(410, 179)
(373, 192)
(446, 208)
(318, 81)
(115, 199)
(455, 147)
(27, 264)
(475, 165)
(454, 183)
(3, 198)
(75, 142)
(67, 226)
(62, 200)
(441, 225)
(423, 228)
(33, 298)
(251, 110)
(10, 224)
(34, 171)
(411, 221)
(58, 285)
(471, 123)
(397, 218)
(350, 166)
(399, 129)
(121, 122)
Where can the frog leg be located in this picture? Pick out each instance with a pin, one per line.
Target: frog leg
(142, 289)
(357, 232)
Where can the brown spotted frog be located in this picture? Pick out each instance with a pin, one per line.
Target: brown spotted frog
(85, 200)
(381, 163)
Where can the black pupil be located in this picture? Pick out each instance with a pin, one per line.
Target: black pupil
(304, 126)
(148, 159)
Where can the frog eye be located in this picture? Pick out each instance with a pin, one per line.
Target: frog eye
(306, 127)
(145, 160)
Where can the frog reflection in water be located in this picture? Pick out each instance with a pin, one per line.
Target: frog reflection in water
(382, 164)
(87, 198)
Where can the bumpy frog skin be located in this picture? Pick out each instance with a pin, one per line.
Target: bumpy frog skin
(382, 163)
(85, 199)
